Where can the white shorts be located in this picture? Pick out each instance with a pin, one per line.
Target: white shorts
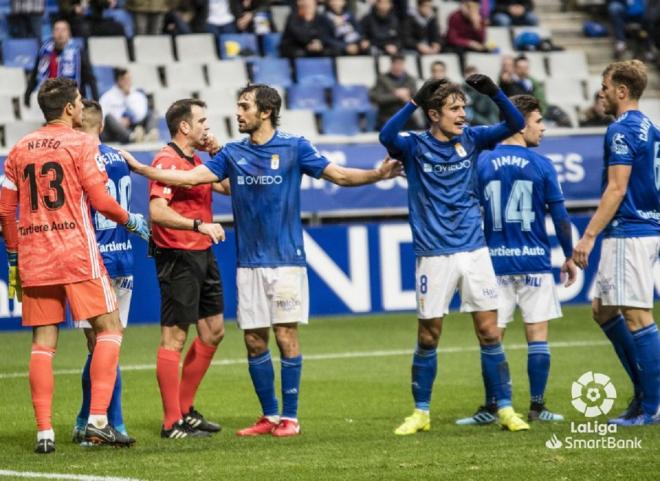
(438, 277)
(123, 287)
(272, 295)
(535, 294)
(625, 271)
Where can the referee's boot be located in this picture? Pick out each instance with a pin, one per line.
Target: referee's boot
(181, 430)
(196, 420)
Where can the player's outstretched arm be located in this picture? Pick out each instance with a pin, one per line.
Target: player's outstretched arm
(618, 177)
(222, 187)
(348, 177)
(513, 119)
(180, 178)
(108, 206)
(162, 214)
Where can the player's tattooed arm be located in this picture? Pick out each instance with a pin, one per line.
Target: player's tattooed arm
(348, 177)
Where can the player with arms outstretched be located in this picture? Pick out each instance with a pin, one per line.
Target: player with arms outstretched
(448, 240)
(629, 216)
(516, 185)
(52, 175)
(265, 172)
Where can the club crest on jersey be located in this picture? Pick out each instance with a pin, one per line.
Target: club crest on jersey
(460, 150)
(100, 162)
(619, 145)
(275, 162)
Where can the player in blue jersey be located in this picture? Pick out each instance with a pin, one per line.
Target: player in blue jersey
(117, 252)
(629, 216)
(515, 186)
(265, 171)
(448, 240)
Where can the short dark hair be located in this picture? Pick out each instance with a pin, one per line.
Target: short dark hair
(526, 104)
(119, 72)
(444, 93)
(397, 57)
(439, 62)
(181, 111)
(54, 95)
(520, 58)
(631, 73)
(92, 114)
(266, 98)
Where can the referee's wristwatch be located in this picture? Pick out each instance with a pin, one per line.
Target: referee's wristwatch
(196, 224)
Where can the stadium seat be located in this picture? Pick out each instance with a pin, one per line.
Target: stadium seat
(542, 32)
(163, 98)
(299, 122)
(13, 81)
(571, 64)
(220, 100)
(163, 131)
(20, 52)
(232, 45)
(153, 49)
(111, 51)
(218, 127)
(451, 60)
(537, 65)
(105, 78)
(362, 9)
(6, 109)
(270, 44)
(340, 122)
(195, 48)
(444, 10)
(227, 73)
(565, 91)
(185, 77)
(272, 71)
(280, 14)
(356, 70)
(411, 64)
(571, 111)
(145, 77)
(594, 84)
(487, 63)
(14, 131)
(315, 71)
(32, 113)
(306, 97)
(501, 38)
(355, 97)
(651, 108)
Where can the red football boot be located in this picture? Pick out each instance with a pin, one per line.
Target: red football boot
(261, 427)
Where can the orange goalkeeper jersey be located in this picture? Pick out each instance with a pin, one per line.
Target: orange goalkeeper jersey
(52, 168)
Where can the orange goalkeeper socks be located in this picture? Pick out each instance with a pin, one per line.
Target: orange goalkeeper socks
(195, 365)
(42, 384)
(103, 371)
(167, 372)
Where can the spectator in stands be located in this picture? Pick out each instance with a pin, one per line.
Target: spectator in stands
(438, 70)
(347, 35)
(25, 18)
(236, 16)
(382, 27)
(86, 17)
(513, 12)
(624, 12)
(60, 56)
(421, 32)
(466, 30)
(594, 115)
(127, 113)
(518, 81)
(148, 15)
(479, 108)
(307, 33)
(392, 90)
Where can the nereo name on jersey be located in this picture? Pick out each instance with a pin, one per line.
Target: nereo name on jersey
(37, 228)
(47, 143)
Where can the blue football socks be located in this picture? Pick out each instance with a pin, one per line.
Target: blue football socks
(424, 368)
(496, 372)
(619, 335)
(263, 379)
(291, 372)
(647, 347)
(538, 369)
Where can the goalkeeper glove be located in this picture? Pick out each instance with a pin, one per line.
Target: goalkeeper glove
(137, 225)
(15, 288)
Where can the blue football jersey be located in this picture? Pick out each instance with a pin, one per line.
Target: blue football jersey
(515, 185)
(113, 240)
(265, 196)
(634, 140)
(445, 216)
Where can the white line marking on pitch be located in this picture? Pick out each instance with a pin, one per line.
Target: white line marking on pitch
(335, 355)
(78, 477)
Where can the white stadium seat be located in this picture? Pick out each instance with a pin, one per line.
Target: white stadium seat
(196, 48)
(227, 73)
(153, 49)
(487, 63)
(451, 61)
(357, 70)
(110, 51)
(571, 64)
(185, 76)
(299, 122)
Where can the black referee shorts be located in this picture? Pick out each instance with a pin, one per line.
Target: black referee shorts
(190, 286)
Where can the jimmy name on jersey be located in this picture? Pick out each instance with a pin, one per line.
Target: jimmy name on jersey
(265, 195)
(515, 185)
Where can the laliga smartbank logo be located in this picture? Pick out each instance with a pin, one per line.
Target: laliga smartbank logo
(592, 395)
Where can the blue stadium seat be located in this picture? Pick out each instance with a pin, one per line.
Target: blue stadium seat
(5, 7)
(232, 45)
(20, 52)
(306, 97)
(270, 44)
(163, 131)
(315, 71)
(272, 71)
(340, 122)
(105, 78)
(351, 97)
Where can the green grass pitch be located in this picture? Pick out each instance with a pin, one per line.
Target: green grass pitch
(355, 390)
